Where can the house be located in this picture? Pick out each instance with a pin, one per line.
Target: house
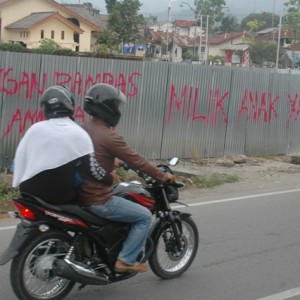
(187, 36)
(158, 44)
(72, 26)
(229, 46)
(232, 46)
(179, 35)
(187, 28)
(161, 27)
(272, 35)
(182, 44)
(287, 39)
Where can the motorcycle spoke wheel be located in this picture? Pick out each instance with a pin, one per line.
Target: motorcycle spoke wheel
(32, 276)
(170, 261)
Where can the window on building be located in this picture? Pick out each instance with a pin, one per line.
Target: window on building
(42, 34)
(62, 35)
(24, 34)
(52, 34)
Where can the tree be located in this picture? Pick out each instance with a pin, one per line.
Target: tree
(229, 24)
(153, 19)
(123, 19)
(110, 5)
(292, 19)
(293, 4)
(254, 25)
(263, 20)
(108, 41)
(48, 44)
(211, 8)
(263, 51)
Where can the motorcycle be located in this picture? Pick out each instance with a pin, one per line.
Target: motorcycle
(57, 246)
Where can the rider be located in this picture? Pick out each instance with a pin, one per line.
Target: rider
(51, 151)
(102, 103)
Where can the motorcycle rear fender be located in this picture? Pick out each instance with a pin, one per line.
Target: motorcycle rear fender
(22, 235)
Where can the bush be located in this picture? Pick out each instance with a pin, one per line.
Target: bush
(187, 55)
(62, 52)
(12, 47)
(7, 192)
(45, 48)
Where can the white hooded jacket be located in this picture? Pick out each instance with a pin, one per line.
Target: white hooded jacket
(48, 145)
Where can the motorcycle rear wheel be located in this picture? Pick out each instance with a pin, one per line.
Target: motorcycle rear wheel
(168, 261)
(31, 274)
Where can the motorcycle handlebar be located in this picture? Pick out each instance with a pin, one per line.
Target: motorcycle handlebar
(146, 177)
(127, 167)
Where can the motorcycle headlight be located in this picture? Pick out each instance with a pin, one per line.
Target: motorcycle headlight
(172, 193)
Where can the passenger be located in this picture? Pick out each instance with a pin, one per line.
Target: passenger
(53, 151)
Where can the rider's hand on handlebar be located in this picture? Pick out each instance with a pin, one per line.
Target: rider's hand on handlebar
(117, 163)
(170, 178)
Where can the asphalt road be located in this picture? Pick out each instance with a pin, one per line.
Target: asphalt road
(249, 249)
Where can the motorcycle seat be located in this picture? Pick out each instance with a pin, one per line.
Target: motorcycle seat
(84, 214)
(73, 209)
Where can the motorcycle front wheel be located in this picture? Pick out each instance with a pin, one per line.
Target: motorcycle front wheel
(31, 273)
(170, 261)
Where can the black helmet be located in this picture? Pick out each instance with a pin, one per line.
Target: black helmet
(57, 101)
(102, 101)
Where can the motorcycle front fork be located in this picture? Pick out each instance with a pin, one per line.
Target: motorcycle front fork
(175, 225)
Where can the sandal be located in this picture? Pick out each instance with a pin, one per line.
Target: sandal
(121, 267)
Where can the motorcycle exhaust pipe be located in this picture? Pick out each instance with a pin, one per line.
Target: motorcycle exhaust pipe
(78, 272)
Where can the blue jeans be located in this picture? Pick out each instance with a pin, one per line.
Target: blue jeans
(122, 210)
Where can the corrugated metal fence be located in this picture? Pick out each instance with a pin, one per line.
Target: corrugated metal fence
(173, 109)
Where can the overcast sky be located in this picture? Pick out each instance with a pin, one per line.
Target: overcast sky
(240, 8)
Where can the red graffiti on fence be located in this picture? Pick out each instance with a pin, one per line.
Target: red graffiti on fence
(80, 84)
(256, 105)
(30, 84)
(185, 101)
(21, 119)
(294, 108)
(24, 119)
(188, 104)
(28, 81)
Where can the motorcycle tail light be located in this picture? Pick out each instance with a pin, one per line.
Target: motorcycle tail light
(25, 211)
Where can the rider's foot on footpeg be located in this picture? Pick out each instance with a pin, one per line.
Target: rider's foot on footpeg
(121, 267)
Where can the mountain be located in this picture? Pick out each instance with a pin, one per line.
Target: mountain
(239, 9)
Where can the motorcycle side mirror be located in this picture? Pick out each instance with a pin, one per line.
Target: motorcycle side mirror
(174, 161)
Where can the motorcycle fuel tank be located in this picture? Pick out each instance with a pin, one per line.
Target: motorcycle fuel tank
(136, 192)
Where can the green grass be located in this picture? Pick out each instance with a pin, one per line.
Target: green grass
(208, 181)
(7, 192)
(268, 156)
(214, 180)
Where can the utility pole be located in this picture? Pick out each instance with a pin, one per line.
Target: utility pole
(200, 42)
(273, 15)
(196, 24)
(206, 42)
(168, 22)
(278, 41)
